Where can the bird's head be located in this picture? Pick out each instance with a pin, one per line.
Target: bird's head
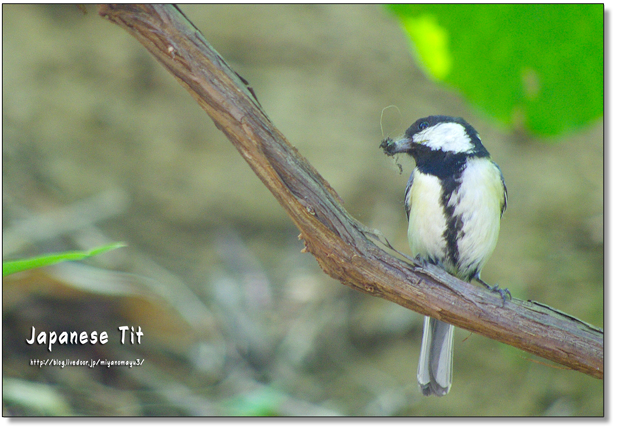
(437, 133)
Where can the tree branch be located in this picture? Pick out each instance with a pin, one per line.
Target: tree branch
(339, 243)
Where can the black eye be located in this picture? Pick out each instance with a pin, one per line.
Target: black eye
(423, 125)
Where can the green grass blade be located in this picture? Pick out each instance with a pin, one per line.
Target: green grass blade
(10, 267)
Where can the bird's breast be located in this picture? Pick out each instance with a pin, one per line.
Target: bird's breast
(427, 220)
(458, 229)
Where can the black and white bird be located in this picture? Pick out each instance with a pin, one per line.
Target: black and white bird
(454, 200)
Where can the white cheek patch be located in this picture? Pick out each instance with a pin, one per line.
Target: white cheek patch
(427, 220)
(447, 136)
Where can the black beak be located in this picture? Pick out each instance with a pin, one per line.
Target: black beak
(391, 147)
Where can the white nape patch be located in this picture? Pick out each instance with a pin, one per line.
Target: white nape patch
(478, 203)
(427, 221)
(445, 136)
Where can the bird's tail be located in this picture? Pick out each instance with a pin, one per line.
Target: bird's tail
(435, 365)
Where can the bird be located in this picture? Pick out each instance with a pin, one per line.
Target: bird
(454, 200)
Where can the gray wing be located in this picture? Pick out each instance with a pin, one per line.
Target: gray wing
(505, 202)
(407, 190)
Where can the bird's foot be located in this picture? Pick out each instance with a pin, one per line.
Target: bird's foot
(503, 292)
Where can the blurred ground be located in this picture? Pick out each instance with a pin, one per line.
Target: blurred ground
(101, 145)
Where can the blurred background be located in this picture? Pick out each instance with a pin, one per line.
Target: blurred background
(100, 144)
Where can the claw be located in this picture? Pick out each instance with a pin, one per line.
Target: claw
(503, 292)
(426, 262)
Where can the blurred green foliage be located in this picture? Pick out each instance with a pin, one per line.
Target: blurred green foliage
(537, 67)
(261, 402)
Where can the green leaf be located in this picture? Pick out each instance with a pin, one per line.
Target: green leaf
(432, 42)
(10, 267)
(533, 66)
